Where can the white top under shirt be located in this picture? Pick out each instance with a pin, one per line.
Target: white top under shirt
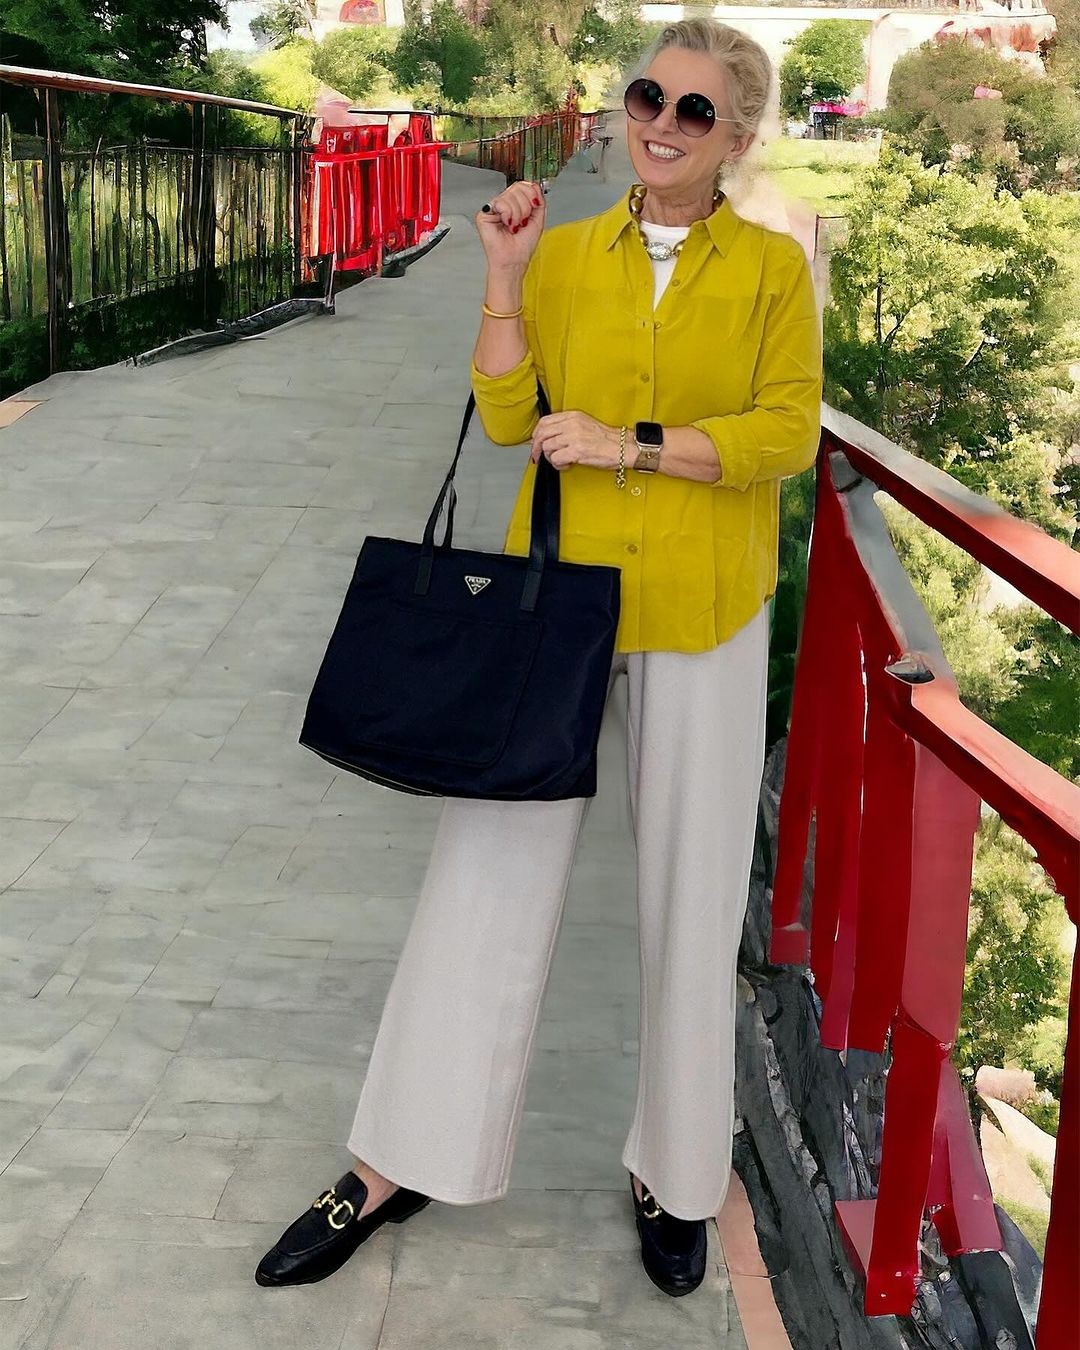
(666, 234)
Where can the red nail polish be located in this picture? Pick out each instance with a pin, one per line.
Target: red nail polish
(536, 201)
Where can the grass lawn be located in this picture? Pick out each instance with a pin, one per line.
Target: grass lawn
(819, 173)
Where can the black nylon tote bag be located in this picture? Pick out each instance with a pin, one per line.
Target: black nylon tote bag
(453, 672)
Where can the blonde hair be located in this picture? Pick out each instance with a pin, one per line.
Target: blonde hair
(752, 85)
(743, 61)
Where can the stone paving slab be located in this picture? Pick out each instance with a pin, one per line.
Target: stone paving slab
(199, 919)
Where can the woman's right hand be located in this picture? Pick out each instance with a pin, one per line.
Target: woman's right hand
(511, 230)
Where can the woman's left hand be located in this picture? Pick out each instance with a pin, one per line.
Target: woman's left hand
(566, 438)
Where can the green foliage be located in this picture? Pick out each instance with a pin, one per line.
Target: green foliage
(24, 353)
(1016, 967)
(827, 56)
(121, 39)
(821, 174)
(1063, 61)
(952, 586)
(227, 73)
(1042, 712)
(1030, 137)
(353, 60)
(283, 20)
(1041, 1048)
(615, 36)
(788, 606)
(1042, 1113)
(949, 321)
(1033, 1223)
(1041, 1170)
(287, 74)
(528, 62)
(445, 51)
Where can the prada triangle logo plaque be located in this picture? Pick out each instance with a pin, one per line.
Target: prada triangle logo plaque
(477, 584)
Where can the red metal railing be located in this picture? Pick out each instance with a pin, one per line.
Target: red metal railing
(893, 766)
(537, 147)
(367, 197)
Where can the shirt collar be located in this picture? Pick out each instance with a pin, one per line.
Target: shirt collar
(721, 225)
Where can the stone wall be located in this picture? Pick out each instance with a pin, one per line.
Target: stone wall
(809, 1133)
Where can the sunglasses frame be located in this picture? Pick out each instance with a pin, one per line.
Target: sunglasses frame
(646, 79)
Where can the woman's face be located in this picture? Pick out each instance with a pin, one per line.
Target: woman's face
(691, 173)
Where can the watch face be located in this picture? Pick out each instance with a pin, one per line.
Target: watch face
(649, 433)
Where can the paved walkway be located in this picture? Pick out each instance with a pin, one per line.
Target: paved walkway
(200, 919)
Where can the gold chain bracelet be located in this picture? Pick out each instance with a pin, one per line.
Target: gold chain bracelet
(494, 313)
(620, 472)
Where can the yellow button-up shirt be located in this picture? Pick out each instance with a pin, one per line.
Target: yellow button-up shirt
(733, 348)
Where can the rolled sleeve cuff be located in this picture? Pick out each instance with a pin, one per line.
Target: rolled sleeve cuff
(507, 403)
(738, 461)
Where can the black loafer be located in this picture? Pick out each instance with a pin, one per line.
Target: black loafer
(323, 1238)
(673, 1251)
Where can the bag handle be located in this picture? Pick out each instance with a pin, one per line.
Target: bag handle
(546, 501)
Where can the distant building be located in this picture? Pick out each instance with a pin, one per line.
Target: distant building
(344, 13)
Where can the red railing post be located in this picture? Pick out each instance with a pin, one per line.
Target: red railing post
(1059, 1308)
(896, 798)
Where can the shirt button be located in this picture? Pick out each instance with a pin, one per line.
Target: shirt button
(645, 377)
(635, 492)
(674, 282)
(631, 548)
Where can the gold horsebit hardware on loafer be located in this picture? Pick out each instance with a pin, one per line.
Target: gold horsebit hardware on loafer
(329, 1197)
(648, 1198)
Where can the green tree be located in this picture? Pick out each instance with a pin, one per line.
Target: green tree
(953, 587)
(287, 74)
(828, 57)
(440, 48)
(609, 34)
(528, 55)
(281, 21)
(1015, 964)
(949, 322)
(229, 74)
(353, 60)
(1063, 58)
(1029, 137)
(1042, 712)
(120, 39)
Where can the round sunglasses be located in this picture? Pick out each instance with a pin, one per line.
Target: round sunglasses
(644, 100)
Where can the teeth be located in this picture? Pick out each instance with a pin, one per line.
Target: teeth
(663, 151)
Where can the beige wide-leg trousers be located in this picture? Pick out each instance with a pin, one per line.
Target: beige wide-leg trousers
(442, 1101)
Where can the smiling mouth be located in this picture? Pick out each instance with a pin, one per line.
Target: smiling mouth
(661, 152)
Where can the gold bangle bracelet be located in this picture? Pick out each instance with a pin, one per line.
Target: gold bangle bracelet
(494, 314)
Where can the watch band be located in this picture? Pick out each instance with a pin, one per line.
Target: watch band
(648, 459)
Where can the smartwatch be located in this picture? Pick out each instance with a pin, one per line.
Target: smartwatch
(650, 440)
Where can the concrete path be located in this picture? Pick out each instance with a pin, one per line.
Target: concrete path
(200, 919)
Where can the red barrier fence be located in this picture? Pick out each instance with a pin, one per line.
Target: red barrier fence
(367, 195)
(893, 766)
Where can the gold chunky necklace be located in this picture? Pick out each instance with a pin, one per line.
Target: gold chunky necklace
(659, 250)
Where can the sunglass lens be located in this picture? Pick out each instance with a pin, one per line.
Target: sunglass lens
(695, 114)
(643, 100)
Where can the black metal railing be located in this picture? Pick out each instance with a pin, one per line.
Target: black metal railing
(107, 249)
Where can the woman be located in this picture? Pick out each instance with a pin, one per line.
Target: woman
(682, 347)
